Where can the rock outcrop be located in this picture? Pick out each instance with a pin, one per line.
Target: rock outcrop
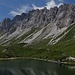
(47, 23)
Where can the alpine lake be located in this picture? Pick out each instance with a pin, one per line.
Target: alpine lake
(34, 67)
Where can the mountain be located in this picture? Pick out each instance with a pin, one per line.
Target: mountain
(49, 32)
(39, 27)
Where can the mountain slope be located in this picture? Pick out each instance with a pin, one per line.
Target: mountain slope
(38, 25)
(47, 34)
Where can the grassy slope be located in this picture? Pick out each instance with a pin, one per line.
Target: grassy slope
(14, 51)
(67, 43)
(15, 41)
(65, 47)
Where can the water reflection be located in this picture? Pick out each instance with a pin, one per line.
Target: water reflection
(33, 67)
(27, 71)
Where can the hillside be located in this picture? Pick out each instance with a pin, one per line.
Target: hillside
(39, 33)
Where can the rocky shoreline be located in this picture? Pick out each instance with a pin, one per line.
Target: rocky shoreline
(52, 61)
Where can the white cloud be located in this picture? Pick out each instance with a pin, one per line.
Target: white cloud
(26, 8)
(48, 5)
(60, 4)
(35, 7)
(21, 10)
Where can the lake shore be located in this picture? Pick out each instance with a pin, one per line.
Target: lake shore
(52, 61)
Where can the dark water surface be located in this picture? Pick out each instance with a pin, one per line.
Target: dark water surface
(33, 67)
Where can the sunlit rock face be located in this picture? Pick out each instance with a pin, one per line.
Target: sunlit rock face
(63, 16)
(41, 24)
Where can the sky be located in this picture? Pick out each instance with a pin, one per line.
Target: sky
(11, 8)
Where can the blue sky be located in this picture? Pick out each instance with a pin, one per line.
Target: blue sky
(10, 8)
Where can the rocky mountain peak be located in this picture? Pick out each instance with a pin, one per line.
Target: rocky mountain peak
(39, 24)
(6, 21)
(62, 16)
(19, 17)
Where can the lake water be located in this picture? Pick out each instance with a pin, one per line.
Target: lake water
(33, 67)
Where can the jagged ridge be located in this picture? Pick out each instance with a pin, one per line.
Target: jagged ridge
(37, 25)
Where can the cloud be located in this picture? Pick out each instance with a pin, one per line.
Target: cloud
(26, 8)
(19, 11)
(35, 7)
(48, 5)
